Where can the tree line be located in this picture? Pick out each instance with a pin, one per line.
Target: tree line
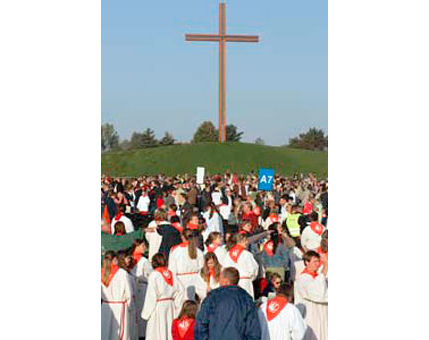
(313, 139)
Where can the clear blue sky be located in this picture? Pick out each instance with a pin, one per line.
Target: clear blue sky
(151, 77)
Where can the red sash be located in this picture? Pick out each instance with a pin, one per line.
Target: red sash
(192, 226)
(137, 257)
(275, 306)
(181, 245)
(118, 216)
(269, 247)
(177, 226)
(106, 214)
(211, 248)
(316, 227)
(166, 274)
(183, 326)
(274, 218)
(235, 252)
(171, 213)
(312, 274)
(113, 270)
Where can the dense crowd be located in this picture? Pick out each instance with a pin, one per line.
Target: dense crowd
(216, 260)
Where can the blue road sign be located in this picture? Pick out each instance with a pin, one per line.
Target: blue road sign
(266, 179)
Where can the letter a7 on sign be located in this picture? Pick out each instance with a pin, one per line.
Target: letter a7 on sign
(265, 179)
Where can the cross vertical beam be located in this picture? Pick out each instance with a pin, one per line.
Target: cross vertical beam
(222, 82)
(222, 38)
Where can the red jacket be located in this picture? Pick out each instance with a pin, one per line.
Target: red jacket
(183, 329)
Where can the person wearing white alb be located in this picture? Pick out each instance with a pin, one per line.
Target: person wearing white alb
(280, 319)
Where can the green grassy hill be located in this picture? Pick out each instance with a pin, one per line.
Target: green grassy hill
(235, 157)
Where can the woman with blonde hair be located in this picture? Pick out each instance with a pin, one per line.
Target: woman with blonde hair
(210, 272)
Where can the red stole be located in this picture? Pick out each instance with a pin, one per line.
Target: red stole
(177, 226)
(275, 306)
(182, 245)
(274, 218)
(192, 226)
(183, 326)
(171, 213)
(137, 257)
(308, 208)
(312, 274)
(113, 270)
(118, 216)
(235, 252)
(211, 248)
(106, 214)
(269, 247)
(166, 274)
(316, 227)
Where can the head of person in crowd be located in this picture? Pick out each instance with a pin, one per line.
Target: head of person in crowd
(314, 217)
(246, 227)
(276, 280)
(125, 260)
(214, 239)
(296, 209)
(241, 240)
(229, 277)
(182, 198)
(159, 260)
(311, 260)
(284, 290)
(284, 199)
(160, 216)
(189, 310)
(120, 228)
(193, 223)
(229, 240)
(275, 236)
(247, 208)
(138, 247)
(211, 267)
(172, 210)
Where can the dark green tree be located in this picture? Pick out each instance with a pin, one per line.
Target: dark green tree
(231, 133)
(206, 132)
(313, 139)
(146, 139)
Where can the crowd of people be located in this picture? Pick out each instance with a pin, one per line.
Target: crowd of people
(215, 260)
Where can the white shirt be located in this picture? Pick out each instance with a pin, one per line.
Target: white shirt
(129, 228)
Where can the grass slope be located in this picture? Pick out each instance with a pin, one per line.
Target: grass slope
(235, 157)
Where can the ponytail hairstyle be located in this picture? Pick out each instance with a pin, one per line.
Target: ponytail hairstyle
(275, 237)
(192, 246)
(107, 262)
(212, 236)
(230, 241)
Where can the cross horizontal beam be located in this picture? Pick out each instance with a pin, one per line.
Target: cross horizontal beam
(217, 38)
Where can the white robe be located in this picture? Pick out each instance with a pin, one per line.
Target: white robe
(297, 264)
(160, 314)
(247, 267)
(115, 315)
(287, 325)
(310, 239)
(220, 253)
(141, 270)
(311, 298)
(186, 269)
(213, 224)
(129, 227)
(154, 240)
(143, 203)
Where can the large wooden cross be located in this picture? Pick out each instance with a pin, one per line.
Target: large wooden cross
(222, 38)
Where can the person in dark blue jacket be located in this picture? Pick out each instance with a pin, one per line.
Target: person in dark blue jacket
(228, 312)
